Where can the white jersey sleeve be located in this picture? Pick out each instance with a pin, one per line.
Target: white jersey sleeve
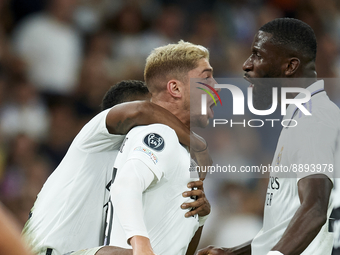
(94, 136)
(134, 178)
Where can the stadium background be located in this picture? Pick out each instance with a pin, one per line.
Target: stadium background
(58, 57)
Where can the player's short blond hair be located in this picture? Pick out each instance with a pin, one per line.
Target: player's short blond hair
(172, 61)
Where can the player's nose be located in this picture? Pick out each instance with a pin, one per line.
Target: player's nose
(218, 90)
(248, 65)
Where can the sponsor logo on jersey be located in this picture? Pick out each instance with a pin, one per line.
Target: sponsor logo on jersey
(152, 156)
(154, 141)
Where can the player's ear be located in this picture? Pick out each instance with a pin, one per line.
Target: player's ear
(292, 66)
(174, 88)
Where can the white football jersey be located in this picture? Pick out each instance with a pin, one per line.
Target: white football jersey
(69, 211)
(157, 147)
(307, 149)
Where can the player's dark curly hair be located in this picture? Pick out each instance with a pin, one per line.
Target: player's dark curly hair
(293, 34)
(122, 92)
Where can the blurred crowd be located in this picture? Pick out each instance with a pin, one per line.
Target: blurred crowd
(58, 58)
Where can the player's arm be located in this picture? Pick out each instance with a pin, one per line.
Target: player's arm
(122, 117)
(126, 192)
(201, 207)
(10, 241)
(194, 242)
(243, 249)
(314, 192)
(201, 156)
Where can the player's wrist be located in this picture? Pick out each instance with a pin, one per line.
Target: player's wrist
(275, 253)
(202, 219)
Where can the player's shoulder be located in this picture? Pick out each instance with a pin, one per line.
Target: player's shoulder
(325, 115)
(327, 111)
(94, 133)
(160, 129)
(155, 136)
(99, 119)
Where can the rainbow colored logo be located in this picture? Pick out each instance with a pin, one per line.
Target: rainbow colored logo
(208, 92)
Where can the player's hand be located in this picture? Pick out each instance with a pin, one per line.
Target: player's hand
(211, 250)
(201, 206)
(200, 152)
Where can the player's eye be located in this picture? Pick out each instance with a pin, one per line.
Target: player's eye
(257, 54)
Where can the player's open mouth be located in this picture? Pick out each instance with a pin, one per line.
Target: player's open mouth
(211, 111)
(247, 78)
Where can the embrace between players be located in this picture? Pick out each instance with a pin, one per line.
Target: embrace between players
(125, 180)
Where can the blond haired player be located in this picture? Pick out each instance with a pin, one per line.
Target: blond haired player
(153, 168)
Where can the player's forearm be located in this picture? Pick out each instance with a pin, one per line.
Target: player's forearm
(197, 143)
(200, 153)
(121, 118)
(314, 192)
(141, 245)
(152, 113)
(194, 242)
(301, 231)
(243, 249)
